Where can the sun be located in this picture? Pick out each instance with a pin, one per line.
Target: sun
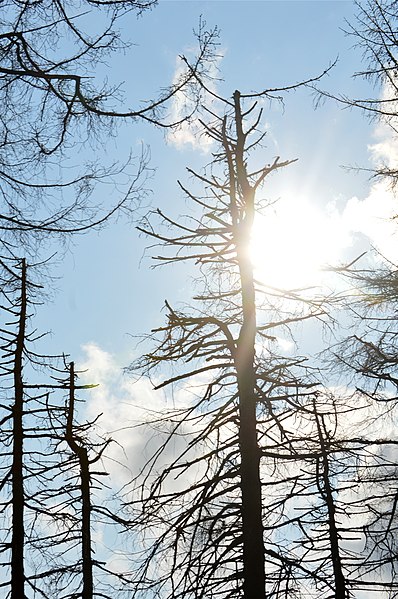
(293, 242)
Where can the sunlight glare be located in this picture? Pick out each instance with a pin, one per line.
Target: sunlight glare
(293, 242)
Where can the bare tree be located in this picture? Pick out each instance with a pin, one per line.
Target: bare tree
(368, 358)
(51, 53)
(374, 31)
(211, 533)
(15, 342)
(273, 488)
(18, 503)
(331, 493)
(82, 502)
(51, 489)
(81, 453)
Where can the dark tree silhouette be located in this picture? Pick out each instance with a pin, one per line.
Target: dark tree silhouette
(274, 487)
(51, 56)
(80, 497)
(374, 31)
(51, 490)
(18, 499)
(210, 532)
(16, 340)
(368, 358)
(81, 453)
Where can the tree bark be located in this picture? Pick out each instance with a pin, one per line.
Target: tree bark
(327, 493)
(250, 483)
(18, 500)
(84, 472)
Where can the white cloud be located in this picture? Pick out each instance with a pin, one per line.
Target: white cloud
(129, 411)
(190, 132)
(374, 216)
(122, 404)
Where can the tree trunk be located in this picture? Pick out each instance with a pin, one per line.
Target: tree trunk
(253, 542)
(18, 533)
(84, 472)
(338, 575)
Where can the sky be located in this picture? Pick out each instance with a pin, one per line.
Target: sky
(105, 294)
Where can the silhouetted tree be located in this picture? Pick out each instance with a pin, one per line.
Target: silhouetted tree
(51, 490)
(51, 54)
(374, 30)
(210, 535)
(368, 358)
(81, 502)
(330, 483)
(17, 402)
(80, 452)
(18, 500)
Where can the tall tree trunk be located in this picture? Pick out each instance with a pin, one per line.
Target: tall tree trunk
(84, 472)
(327, 493)
(253, 542)
(18, 533)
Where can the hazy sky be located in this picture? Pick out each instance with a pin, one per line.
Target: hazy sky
(106, 291)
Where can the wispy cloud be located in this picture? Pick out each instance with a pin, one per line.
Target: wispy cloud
(374, 215)
(122, 405)
(138, 418)
(190, 133)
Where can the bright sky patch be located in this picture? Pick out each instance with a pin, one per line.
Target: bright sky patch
(293, 241)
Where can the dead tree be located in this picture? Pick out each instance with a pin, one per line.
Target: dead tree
(17, 476)
(50, 466)
(212, 531)
(15, 342)
(48, 63)
(77, 481)
(368, 359)
(81, 453)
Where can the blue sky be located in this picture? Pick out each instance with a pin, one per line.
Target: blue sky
(105, 291)
(106, 294)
